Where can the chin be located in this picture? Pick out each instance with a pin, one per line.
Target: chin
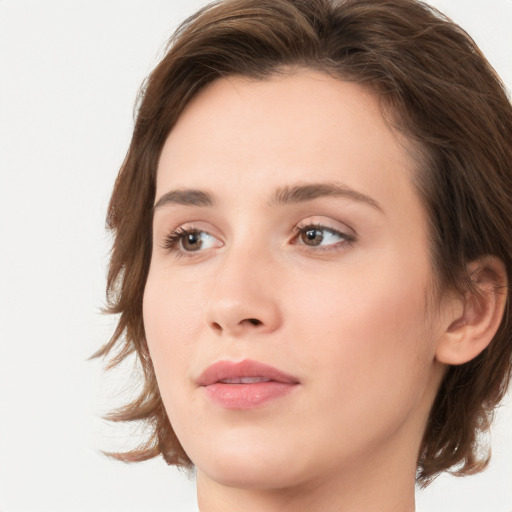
(250, 466)
(243, 476)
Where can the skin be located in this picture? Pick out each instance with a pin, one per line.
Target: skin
(348, 317)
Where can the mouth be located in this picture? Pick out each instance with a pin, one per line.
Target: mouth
(246, 380)
(246, 384)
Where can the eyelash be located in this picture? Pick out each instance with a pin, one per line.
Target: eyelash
(173, 240)
(176, 237)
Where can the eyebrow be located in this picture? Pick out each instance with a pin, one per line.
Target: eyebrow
(302, 193)
(282, 196)
(186, 197)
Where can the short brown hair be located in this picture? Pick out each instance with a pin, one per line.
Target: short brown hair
(437, 88)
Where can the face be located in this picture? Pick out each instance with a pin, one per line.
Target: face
(285, 308)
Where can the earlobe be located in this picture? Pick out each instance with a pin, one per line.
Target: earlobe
(479, 313)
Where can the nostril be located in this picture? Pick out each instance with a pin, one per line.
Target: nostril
(216, 326)
(219, 327)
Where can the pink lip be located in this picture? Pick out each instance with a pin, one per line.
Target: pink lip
(245, 395)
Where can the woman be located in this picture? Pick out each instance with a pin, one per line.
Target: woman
(311, 254)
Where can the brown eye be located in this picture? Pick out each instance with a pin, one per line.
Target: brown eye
(192, 241)
(312, 237)
(315, 235)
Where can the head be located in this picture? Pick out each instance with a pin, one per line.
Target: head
(412, 86)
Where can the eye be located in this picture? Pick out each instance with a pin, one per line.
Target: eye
(315, 235)
(183, 240)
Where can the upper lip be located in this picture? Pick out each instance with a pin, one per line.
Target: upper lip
(223, 370)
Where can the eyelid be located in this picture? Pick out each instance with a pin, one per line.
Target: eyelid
(327, 224)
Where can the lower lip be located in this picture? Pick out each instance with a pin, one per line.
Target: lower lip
(246, 396)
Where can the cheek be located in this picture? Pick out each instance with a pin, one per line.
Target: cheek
(173, 315)
(366, 347)
(366, 329)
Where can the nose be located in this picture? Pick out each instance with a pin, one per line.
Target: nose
(243, 299)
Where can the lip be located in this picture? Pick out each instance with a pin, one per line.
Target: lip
(261, 383)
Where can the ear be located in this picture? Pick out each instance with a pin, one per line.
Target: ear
(476, 316)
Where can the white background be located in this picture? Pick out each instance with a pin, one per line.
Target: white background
(69, 73)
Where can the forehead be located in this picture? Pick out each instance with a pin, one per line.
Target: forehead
(299, 127)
